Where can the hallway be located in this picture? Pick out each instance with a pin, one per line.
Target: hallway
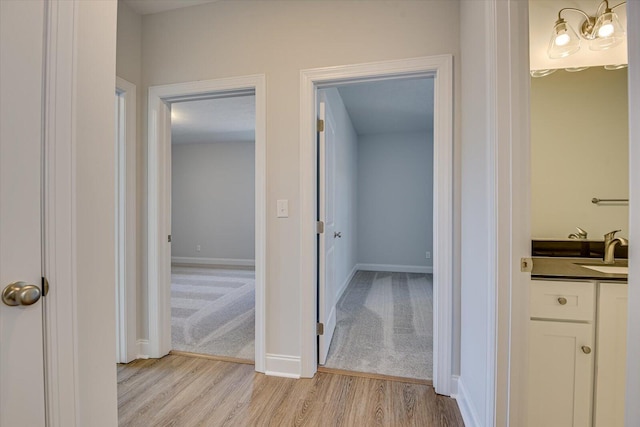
(187, 391)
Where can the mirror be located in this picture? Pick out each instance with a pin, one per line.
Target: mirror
(579, 151)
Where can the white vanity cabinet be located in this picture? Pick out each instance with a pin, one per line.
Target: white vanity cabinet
(577, 353)
(561, 356)
(611, 355)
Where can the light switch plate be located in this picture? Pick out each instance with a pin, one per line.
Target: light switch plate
(283, 209)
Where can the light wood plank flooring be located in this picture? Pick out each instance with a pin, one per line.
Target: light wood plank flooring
(186, 391)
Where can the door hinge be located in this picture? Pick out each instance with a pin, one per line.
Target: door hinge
(169, 238)
(320, 125)
(319, 328)
(45, 286)
(319, 227)
(526, 265)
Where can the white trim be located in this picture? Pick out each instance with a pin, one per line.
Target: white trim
(441, 67)
(142, 349)
(344, 285)
(395, 268)
(213, 261)
(281, 365)
(126, 214)
(468, 412)
(59, 189)
(632, 409)
(158, 199)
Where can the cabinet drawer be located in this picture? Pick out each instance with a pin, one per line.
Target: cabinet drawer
(562, 300)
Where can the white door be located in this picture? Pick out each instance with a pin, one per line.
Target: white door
(326, 210)
(21, 332)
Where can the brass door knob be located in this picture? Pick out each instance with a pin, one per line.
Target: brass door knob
(562, 300)
(586, 349)
(20, 293)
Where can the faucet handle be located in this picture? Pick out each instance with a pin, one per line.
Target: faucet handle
(610, 235)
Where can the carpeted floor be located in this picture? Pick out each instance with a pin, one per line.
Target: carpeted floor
(385, 325)
(213, 311)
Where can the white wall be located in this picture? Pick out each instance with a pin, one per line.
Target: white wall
(212, 198)
(477, 254)
(346, 205)
(395, 199)
(129, 67)
(279, 38)
(94, 136)
(632, 409)
(579, 150)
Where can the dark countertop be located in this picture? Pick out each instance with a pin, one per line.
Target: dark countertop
(567, 268)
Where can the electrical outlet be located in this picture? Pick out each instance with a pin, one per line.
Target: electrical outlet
(428, 255)
(197, 248)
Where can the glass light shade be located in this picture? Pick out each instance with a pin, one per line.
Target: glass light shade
(564, 40)
(608, 32)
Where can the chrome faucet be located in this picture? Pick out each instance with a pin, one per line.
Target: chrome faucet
(610, 243)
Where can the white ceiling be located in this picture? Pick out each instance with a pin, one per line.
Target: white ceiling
(390, 105)
(146, 7)
(229, 119)
(386, 106)
(542, 17)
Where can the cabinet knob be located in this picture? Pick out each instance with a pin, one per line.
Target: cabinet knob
(586, 349)
(562, 300)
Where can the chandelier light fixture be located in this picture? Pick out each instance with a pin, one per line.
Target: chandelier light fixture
(602, 31)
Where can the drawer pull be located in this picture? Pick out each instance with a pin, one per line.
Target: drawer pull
(586, 349)
(562, 300)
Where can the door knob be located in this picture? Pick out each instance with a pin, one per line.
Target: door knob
(20, 293)
(586, 349)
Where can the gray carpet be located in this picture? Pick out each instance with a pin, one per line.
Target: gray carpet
(213, 311)
(385, 325)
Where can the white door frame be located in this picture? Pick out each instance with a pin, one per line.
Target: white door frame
(159, 189)
(126, 271)
(441, 68)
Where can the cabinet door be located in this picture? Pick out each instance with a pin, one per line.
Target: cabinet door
(560, 374)
(611, 355)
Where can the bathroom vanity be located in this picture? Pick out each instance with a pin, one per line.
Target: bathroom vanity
(577, 343)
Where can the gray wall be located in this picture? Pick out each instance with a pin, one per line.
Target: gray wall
(346, 188)
(223, 39)
(212, 200)
(395, 199)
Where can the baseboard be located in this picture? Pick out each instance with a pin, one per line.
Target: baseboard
(467, 410)
(346, 282)
(280, 365)
(392, 268)
(213, 261)
(142, 349)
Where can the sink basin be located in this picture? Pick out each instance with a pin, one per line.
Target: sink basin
(611, 269)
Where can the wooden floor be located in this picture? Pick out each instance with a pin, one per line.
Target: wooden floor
(187, 391)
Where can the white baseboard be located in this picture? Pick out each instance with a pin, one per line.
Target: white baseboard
(392, 268)
(344, 285)
(280, 365)
(142, 349)
(467, 410)
(213, 261)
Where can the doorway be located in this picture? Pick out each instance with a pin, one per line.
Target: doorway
(440, 69)
(161, 99)
(213, 226)
(375, 201)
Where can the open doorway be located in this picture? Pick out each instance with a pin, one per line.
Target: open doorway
(440, 69)
(375, 201)
(213, 244)
(213, 226)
